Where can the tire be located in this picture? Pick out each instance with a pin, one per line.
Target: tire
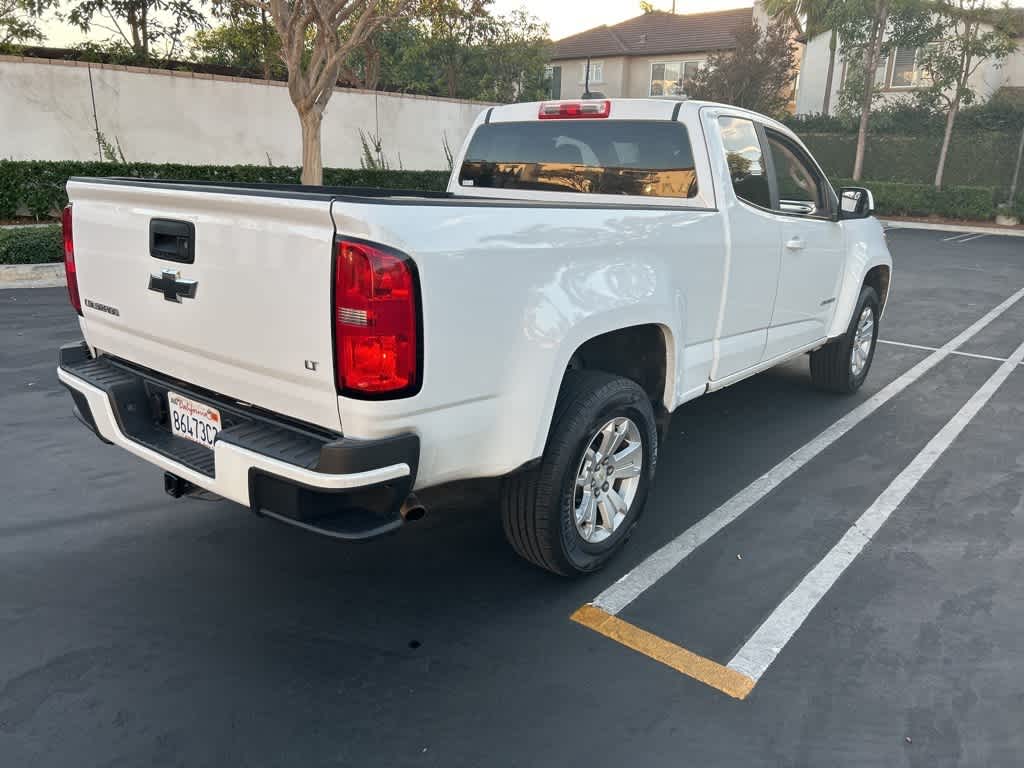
(539, 505)
(833, 368)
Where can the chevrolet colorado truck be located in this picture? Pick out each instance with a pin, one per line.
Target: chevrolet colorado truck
(318, 354)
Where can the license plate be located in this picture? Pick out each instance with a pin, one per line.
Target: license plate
(193, 420)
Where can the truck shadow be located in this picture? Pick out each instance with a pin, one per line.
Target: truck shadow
(201, 611)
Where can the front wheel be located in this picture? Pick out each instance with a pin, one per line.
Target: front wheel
(577, 508)
(842, 365)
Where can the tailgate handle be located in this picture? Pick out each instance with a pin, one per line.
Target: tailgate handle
(172, 240)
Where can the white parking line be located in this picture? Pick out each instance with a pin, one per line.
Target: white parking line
(758, 653)
(973, 237)
(935, 349)
(960, 237)
(624, 591)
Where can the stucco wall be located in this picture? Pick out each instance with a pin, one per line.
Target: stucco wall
(640, 70)
(810, 93)
(623, 76)
(1012, 70)
(989, 77)
(610, 85)
(46, 114)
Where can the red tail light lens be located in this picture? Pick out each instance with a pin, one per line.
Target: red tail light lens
(376, 342)
(566, 110)
(69, 260)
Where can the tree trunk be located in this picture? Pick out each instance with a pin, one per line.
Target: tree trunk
(312, 161)
(133, 25)
(870, 64)
(144, 26)
(1016, 170)
(826, 106)
(452, 76)
(954, 110)
(265, 43)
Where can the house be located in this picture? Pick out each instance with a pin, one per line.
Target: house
(650, 55)
(898, 74)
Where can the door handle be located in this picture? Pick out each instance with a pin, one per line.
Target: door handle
(172, 240)
(795, 244)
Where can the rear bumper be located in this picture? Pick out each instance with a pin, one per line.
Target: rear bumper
(337, 486)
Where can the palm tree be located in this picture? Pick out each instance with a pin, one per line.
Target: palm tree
(818, 15)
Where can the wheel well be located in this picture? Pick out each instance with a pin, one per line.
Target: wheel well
(878, 278)
(636, 353)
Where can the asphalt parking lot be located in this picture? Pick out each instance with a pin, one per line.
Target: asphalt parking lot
(140, 630)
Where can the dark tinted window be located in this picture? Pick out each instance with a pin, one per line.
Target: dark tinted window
(595, 156)
(745, 160)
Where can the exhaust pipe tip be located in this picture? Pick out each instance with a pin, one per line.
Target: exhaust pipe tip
(412, 510)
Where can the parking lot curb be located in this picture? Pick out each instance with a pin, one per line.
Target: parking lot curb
(965, 228)
(32, 275)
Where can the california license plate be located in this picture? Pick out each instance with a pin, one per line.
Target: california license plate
(193, 420)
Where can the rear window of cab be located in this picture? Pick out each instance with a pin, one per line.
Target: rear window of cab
(600, 157)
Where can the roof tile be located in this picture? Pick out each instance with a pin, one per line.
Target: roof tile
(655, 34)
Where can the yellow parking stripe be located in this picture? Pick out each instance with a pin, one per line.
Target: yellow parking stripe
(719, 677)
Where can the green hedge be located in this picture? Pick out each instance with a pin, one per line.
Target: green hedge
(31, 245)
(901, 199)
(1003, 112)
(38, 186)
(38, 245)
(984, 158)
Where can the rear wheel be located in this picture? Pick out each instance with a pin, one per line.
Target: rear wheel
(842, 365)
(577, 508)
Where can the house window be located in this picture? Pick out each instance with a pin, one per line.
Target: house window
(670, 78)
(881, 70)
(596, 72)
(907, 68)
(553, 75)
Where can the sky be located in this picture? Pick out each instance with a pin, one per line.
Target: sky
(567, 17)
(564, 17)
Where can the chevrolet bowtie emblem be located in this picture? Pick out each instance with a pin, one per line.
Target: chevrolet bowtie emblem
(173, 287)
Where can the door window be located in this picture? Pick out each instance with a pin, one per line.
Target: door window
(745, 160)
(801, 188)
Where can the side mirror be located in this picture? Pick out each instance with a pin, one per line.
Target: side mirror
(855, 203)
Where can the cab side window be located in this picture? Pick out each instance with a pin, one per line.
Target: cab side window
(745, 160)
(801, 188)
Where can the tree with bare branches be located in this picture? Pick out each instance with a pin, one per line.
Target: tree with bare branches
(317, 36)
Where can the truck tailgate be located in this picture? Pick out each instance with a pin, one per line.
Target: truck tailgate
(258, 328)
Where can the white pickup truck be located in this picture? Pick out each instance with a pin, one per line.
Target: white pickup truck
(319, 354)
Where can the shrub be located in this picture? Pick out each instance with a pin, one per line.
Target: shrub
(900, 199)
(1004, 112)
(31, 245)
(982, 159)
(39, 186)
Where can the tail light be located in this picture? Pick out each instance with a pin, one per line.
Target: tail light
(565, 110)
(69, 260)
(376, 320)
